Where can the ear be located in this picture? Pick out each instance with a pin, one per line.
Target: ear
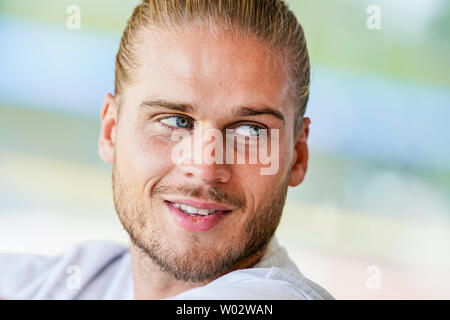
(301, 154)
(108, 120)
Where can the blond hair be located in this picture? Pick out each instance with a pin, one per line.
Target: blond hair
(269, 21)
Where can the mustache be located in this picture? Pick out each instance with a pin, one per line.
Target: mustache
(212, 193)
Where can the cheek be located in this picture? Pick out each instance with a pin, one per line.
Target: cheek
(278, 160)
(146, 155)
(260, 185)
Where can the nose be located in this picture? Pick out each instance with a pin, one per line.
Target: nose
(200, 162)
(207, 173)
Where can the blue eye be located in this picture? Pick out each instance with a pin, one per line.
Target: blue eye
(177, 122)
(249, 130)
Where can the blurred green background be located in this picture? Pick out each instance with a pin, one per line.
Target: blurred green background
(378, 188)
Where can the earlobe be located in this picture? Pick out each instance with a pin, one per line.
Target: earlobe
(301, 155)
(108, 120)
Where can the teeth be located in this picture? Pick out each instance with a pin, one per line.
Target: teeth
(189, 208)
(192, 210)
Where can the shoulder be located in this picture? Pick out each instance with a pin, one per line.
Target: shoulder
(259, 284)
(31, 276)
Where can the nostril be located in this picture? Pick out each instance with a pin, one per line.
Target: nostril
(206, 173)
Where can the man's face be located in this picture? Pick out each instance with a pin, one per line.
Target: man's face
(214, 81)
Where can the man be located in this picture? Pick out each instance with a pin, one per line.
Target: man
(199, 229)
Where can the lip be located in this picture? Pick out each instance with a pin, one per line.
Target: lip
(197, 223)
(201, 204)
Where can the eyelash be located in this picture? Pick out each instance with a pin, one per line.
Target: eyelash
(258, 126)
(175, 116)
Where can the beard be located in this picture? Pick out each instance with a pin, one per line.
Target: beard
(201, 262)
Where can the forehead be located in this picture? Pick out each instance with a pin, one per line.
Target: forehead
(200, 67)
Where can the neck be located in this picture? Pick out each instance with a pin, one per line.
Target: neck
(151, 283)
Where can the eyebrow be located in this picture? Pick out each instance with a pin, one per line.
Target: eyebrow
(243, 111)
(256, 111)
(164, 104)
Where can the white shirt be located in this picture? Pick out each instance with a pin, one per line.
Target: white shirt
(102, 270)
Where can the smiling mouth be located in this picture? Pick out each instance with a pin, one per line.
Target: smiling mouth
(195, 211)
